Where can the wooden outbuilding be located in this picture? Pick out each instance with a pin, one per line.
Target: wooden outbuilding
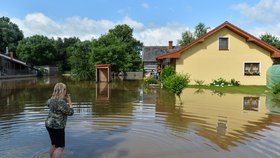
(103, 72)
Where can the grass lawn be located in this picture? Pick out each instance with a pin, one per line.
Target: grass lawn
(257, 90)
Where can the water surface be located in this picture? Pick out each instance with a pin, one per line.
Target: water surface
(124, 119)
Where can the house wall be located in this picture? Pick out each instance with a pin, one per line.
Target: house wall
(206, 62)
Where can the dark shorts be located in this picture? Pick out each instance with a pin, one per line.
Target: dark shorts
(57, 137)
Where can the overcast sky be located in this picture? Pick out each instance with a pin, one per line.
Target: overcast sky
(155, 22)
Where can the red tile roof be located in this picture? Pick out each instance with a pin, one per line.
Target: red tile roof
(274, 52)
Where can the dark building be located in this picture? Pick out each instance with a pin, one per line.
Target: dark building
(150, 53)
(13, 68)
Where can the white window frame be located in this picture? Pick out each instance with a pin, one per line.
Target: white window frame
(251, 62)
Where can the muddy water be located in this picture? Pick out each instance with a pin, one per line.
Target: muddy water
(125, 120)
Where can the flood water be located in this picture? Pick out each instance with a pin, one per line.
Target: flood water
(125, 120)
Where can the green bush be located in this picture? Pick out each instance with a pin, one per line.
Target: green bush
(276, 88)
(176, 83)
(166, 72)
(234, 82)
(220, 82)
(149, 80)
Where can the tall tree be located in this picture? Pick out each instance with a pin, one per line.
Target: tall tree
(37, 50)
(188, 36)
(63, 53)
(10, 35)
(81, 66)
(200, 30)
(119, 48)
(273, 41)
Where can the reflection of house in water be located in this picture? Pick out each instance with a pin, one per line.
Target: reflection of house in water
(11, 101)
(225, 121)
(11, 86)
(251, 103)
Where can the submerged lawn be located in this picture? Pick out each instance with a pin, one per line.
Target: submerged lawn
(257, 90)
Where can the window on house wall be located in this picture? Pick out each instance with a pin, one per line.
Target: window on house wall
(223, 43)
(252, 69)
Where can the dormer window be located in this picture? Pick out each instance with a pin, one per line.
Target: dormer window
(223, 43)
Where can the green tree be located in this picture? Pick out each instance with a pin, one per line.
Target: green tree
(119, 48)
(63, 54)
(81, 66)
(10, 35)
(188, 36)
(270, 39)
(273, 41)
(37, 50)
(200, 30)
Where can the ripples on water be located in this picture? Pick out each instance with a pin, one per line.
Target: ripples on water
(123, 119)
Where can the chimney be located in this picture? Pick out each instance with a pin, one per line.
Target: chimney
(170, 44)
(11, 55)
(7, 50)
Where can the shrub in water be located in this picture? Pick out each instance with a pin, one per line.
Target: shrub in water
(166, 72)
(176, 83)
(149, 80)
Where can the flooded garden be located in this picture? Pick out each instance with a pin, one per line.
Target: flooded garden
(125, 119)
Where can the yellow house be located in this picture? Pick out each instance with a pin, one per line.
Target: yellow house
(225, 52)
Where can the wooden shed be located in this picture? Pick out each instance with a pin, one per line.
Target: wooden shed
(103, 73)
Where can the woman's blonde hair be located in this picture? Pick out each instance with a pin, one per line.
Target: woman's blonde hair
(59, 91)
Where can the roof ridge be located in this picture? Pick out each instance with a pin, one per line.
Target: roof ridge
(250, 38)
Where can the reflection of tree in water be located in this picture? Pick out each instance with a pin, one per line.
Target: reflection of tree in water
(273, 102)
(218, 93)
(199, 91)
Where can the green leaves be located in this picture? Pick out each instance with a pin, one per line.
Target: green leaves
(188, 36)
(37, 49)
(118, 48)
(271, 40)
(81, 67)
(166, 72)
(276, 88)
(10, 35)
(175, 83)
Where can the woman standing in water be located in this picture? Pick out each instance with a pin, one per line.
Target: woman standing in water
(60, 106)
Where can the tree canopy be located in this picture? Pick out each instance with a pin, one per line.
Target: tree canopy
(81, 66)
(200, 30)
(119, 48)
(63, 47)
(37, 49)
(188, 36)
(273, 41)
(10, 35)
